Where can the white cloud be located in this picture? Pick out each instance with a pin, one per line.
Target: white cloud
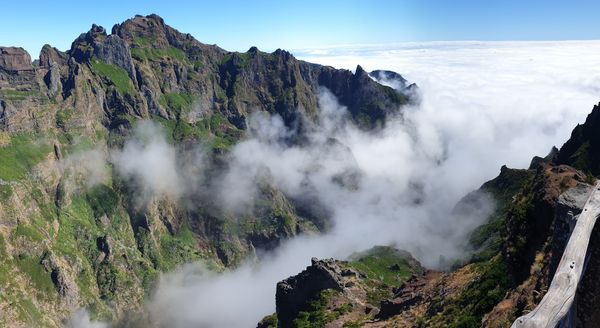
(89, 166)
(81, 319)
(148, 160)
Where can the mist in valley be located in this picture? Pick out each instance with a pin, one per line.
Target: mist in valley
(482, 105)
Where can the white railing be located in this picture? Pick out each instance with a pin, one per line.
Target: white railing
(557, 303)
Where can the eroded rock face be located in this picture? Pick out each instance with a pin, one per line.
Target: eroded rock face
(50, 55)
(53, 81)
(63, 281)
(15, 59)
(16, 69)
(294, 292)
(115, 51)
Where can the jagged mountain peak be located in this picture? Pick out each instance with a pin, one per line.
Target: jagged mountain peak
(160, 61)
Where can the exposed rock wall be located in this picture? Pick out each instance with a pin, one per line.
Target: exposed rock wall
(293, 293)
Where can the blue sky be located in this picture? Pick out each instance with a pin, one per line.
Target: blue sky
(237, 25)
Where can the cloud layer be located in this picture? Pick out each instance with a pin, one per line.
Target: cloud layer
(492, 102)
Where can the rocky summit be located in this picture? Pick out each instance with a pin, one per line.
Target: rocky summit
(70, 238)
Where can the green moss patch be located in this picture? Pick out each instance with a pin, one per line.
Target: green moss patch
(144, 49)
(178, 249)
(28, 232)
(21, 155)
(383, 263)
(477, 299)
(41, 279)
(179, 102)
(103, 200)
(116, 75)
(385, 268)
(316, 314)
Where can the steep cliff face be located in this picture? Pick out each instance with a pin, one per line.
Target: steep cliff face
(582, 150)
(66, 242)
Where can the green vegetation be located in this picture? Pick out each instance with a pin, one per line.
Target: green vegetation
(144, 49)
(5, 192)
(103, 200)
(384, 264)
(178, 249)
(38, 275)
(384, 267)
(352, 324)
(116, 75)
(157, 54)
(239, 59)
(316, 314)
(215, 131)
(21, 155)
(221, 96)
(78, 230)
(519, 216)
(224, 134)
(582, 158)
(144, 41)
(28, 232)
(62, 118)
(28, 312)
(179, 102)
(198, 64)
(487, 238)
(269, 321)
(395, 96)
(477, 299)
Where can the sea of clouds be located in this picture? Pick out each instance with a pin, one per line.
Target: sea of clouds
(482, 105)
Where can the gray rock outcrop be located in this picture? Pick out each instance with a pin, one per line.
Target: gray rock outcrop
(294, 292)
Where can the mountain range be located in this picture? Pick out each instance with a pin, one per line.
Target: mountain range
(81, 228)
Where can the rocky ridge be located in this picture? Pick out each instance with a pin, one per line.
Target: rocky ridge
(64, 244)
